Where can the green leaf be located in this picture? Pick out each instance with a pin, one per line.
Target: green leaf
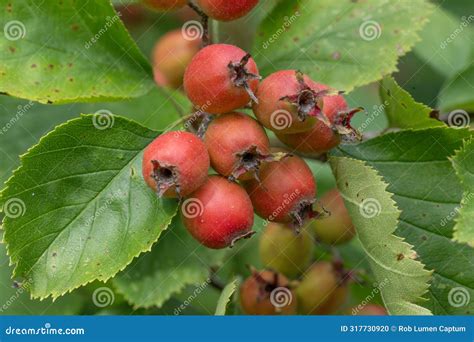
(175, 261)
(225, 297)
(446, 42)
(416, 166)
(458, 93)
(78, 209)
(14, 300)
(402, 110)
(90, 58)
(463, 163)
(402, 279)
(23, 123)
(344, 44)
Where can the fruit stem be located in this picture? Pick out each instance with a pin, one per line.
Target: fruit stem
(206, 39)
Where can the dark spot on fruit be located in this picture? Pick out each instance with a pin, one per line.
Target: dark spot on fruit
(400, 257)
(346, 184)
(71, 79)
(33, 66)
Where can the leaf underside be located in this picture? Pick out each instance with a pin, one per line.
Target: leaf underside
(416, 166)
(402, 280)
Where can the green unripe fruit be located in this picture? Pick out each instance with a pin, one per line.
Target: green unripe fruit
(284, 250)
(337, 228)
(321, 291)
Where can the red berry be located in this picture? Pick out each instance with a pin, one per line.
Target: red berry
(171, 54)
(321, 137)
(220, 78)
(337, 228)
(237, 144)
(288, 102)
(286, 191)
(218, 214)
(321, 291)
(369, 310)
(284, 250)
(225, 10)
(165, 5)
(267, 293)
(175, 164)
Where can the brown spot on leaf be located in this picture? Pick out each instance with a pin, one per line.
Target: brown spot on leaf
(75, 27)
(400, 257)
(12, 49)
(33, 66)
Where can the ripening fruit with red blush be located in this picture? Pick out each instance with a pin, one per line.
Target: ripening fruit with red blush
(218, 214)
(237, 145)
(289, 102)
(165, 5)
(171, 55)
(175, 164)
(321, 137)
(369, 310)
(267, 293)
(225, 10)
(321, 291)
(285, 192)
(284, 250)
(336, 228)
(221, 78)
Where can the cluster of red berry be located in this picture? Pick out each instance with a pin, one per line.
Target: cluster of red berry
(218, 210)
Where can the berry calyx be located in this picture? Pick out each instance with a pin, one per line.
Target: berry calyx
(285, 192)
(336, 228)
(165, 5)
(323, 290)
(171, 54)
(175, 164)
(225, 10)
(284, 250)
(289, 102)
(220, 79)
(267, 293)
(237, 145)
(224, 215)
